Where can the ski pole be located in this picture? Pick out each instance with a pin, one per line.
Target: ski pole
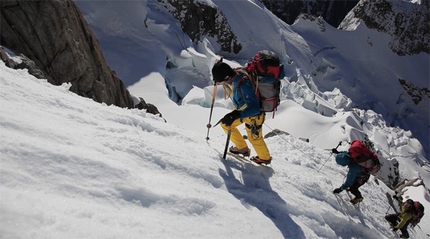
(212, 107)
(340, 143)
(227, 142)
(388, 209)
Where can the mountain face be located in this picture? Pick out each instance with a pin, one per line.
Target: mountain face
(198, 19)
(333, 12)
(407, 23)
(57, 38)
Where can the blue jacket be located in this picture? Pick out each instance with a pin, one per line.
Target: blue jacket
(244, 98)
(354, 171)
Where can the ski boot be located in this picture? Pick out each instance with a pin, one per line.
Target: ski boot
(245, 152)
(257, 160)
(356, 200)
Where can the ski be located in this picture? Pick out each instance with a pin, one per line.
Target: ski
(356, 205)
(391, 202)
(239, 157)
(347, 207)
(341, 203)
(247, 160)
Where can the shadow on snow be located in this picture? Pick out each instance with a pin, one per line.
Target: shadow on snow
(256, 191)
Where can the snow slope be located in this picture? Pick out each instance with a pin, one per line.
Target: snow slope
(70, 167)
(74, 168)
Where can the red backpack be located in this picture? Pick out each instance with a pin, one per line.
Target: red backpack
(417, 210)
(363, 156)
(265, 71)
(265, 63)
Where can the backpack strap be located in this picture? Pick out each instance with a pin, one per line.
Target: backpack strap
(250, 77)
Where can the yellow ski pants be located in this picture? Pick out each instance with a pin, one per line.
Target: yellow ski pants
(253, 126)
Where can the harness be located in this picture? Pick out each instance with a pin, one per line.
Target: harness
(254, 127)
(362, 178)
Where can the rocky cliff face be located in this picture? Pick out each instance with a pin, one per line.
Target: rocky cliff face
(56, 37)
(331, 11)
(407, 23)
(198, 19)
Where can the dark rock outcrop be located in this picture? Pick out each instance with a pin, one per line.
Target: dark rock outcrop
(24, 64)
(33, 69)
(198, 19)
(57, 38)
(417, 93)
(332, 11)
(150, 108)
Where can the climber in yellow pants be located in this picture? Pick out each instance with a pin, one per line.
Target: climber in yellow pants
(253, 126)
(241, 90)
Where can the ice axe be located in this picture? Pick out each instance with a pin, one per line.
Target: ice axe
(340, 143)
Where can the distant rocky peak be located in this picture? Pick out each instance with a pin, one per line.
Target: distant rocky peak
(198, 19)
(406, 22)
(318, 20)
(332, 11)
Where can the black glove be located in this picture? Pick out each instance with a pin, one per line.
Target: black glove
(395, 229)
(337, 190)
(230, 117)
(333, 150)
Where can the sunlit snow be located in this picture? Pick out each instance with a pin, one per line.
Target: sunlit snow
(74, 168)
